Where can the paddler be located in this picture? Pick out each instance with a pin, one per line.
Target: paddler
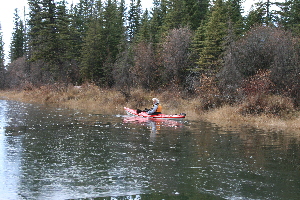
(156, 109)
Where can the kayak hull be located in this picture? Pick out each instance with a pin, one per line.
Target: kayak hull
(146, 115)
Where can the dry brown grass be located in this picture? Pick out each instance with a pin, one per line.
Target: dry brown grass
(229, 116)
(93, 99)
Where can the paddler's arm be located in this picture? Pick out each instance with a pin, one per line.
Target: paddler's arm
(153, 110)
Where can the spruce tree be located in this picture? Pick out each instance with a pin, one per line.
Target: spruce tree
(93, 50)
(2, 56)
(290, 15)
(134, 16)
(17, 47)
(49, 36)
(158, 13)
(103, 42)
(235, 16)
(144, 31)
(175, 15)
(255, 17)
(214, 34)
(210, 40)
(196, 11)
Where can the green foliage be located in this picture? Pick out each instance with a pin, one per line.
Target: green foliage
(255, 17)
(17, 47)
(213, 38)
(175, 15)
(2, 65)
(134, 16)
(2, 55)
(290, 15)
(159, 12)
(49, 36)
(196, 12)
(103, 43)
(144, 33)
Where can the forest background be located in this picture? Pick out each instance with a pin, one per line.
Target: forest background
(201, 49)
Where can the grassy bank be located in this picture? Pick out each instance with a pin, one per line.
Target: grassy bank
(95, 100)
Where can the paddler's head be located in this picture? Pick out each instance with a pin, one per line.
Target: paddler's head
(155, 100)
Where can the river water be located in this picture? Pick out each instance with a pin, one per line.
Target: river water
(54, 153)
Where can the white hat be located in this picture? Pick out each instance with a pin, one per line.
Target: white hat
(155, 100)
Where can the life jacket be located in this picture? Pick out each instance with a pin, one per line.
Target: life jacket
(159, 108)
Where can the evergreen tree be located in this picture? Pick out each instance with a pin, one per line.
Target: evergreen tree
(83, 13)
(17, 47)
(103, 43)
(235, 16)
(210, 40)
(255, 17)
(93, 51)
(290, 15)
(196, 11)
(261, 14)
(134, 16)
(175, 15)
(2, 56)
(49, 36)
(159, 12)
(114, 35)
(144, 33)
(214, 34)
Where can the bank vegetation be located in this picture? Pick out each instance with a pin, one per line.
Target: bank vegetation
(275, 113)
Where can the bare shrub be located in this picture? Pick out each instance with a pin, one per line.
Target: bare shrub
(258, 84)
(121, 73)
(209, 93)
(262, 48)
(176, 55)
(16, 74)
(267, 104)
(145, 71)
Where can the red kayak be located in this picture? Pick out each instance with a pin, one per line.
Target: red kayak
(145, 114)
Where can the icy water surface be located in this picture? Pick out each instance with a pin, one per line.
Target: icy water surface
(49, 153)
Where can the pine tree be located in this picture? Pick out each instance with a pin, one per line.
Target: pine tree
(114, 35)
(175, 15)
(134, 16)
(93, 55)
(196, 11)
(214, 34)
(49, 36)
(235, 16)
(17, 47)
(290, 15)
(210, 40)
(2, 56)
(255, 17)
(144, 31)
(158, 13)
(103, 43)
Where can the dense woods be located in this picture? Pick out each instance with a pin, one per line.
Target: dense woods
(201, 48)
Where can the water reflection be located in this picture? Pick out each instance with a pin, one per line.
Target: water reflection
(50, 153)
(153, 124)
(10, 156)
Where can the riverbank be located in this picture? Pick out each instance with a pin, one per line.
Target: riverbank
(95, 100)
